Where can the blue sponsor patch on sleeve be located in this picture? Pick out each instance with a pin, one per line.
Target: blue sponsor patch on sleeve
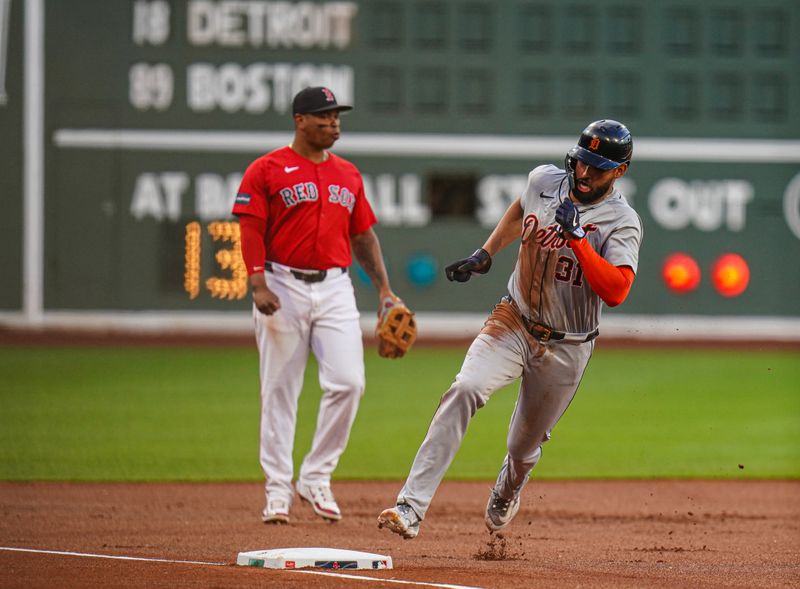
(242, 199)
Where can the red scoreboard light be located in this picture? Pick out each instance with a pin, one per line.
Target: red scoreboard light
(681, 273)
(730, 274)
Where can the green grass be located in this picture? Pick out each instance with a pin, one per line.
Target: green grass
(140, 413)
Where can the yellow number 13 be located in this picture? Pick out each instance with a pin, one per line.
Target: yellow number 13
(229, 259)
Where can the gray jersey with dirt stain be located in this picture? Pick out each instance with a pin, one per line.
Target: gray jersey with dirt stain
(548, 283)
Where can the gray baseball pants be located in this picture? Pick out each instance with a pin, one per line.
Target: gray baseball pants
(550, 375)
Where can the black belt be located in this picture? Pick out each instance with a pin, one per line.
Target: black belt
(305, 275)
(543, 333)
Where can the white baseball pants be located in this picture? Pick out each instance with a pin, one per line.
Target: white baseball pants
(321, 317)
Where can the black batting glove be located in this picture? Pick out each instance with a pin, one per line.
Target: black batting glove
(567, 216)
(462, 270)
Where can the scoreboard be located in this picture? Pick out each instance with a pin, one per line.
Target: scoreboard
(152, 109)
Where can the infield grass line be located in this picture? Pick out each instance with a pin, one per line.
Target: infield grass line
(192, 414)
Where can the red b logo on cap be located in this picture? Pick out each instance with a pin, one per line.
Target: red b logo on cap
(329, 95)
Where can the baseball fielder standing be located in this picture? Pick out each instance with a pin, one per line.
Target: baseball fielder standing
(579, 248)
(302, 211)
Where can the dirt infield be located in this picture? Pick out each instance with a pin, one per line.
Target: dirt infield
(567, 534)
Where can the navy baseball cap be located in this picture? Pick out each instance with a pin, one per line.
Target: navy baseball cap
(315, 100)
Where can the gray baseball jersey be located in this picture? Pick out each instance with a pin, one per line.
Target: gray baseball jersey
(548, 284)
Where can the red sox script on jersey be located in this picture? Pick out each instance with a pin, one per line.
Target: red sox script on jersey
(311, 210)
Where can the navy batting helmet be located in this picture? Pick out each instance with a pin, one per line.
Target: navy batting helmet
(604, 144)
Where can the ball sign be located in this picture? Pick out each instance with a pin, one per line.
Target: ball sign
(681, 273)
(730, 274)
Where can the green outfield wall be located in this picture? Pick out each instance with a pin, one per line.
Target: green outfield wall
(121, 160)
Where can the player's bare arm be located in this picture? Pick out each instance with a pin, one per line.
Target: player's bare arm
(367, 250)
(507, 231)
(396, 330)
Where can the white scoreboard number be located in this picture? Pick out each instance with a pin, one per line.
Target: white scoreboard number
(5, 16)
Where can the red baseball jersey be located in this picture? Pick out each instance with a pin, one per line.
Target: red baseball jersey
(311, 210)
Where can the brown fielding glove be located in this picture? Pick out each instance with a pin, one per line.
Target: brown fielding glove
(396, 330)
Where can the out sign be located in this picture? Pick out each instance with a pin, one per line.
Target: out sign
(708, 205)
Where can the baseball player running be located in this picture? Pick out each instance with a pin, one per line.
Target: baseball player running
(579, 248)
(302, 213)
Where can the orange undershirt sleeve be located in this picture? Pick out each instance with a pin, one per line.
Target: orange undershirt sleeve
(611, 283)
(251, 231)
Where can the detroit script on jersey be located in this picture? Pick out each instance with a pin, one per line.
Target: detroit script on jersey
(311, 210)
(548, 282)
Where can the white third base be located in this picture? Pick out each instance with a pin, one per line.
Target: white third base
(324, 558)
